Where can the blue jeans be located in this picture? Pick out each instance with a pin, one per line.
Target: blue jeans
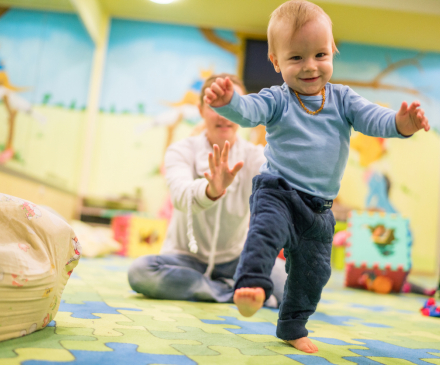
(180, 277)
(281, 217)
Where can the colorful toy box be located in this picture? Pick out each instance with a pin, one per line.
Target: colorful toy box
(378, 251)
(139, 236)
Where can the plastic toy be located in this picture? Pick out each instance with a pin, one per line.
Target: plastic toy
(378, 252)
(430, 308)
(139, 236)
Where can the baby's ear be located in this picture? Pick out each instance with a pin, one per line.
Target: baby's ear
(335, 49)
(274, 61)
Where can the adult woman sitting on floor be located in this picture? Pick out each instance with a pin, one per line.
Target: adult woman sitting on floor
(211, 215)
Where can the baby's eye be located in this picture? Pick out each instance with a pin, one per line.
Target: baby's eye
(320, 55)
(295, 58)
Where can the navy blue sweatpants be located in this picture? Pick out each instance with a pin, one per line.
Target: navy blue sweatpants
(281, 218)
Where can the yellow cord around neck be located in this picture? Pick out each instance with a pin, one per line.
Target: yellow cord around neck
(307, 110)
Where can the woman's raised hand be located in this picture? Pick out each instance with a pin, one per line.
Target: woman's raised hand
(221, 176)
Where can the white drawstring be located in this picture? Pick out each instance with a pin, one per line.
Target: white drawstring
(211, 261)
(190, 231)
(193, 247)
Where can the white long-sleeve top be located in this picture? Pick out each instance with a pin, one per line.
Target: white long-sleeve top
(186, 162)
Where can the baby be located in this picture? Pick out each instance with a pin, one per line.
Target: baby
(308, 122)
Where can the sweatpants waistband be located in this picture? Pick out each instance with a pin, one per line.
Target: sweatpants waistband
(317, 204)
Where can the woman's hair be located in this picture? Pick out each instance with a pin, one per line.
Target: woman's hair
(297, 13)
(210, 80)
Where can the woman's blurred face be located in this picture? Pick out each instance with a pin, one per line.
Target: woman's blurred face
(219, 129)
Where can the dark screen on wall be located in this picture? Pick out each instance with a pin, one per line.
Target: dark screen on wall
(258, 70)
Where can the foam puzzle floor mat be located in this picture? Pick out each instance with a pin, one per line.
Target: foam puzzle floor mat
(102, 321)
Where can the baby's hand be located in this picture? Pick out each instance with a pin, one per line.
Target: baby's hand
(220, 93)
(411, 119)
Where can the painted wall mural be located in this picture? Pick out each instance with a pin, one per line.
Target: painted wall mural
(394, 175)
(45, 70)
(153, 76)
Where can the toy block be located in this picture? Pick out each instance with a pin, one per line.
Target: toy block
(139, 236)
(380, 251)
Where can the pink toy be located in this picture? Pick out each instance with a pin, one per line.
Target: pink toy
(340, 238)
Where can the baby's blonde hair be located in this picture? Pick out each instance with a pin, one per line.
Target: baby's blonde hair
(297, 13)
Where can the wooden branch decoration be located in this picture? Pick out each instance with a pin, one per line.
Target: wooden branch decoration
(222, 43)
(3, 10)
(370, 84)
(12, 114)
(170, 134)
(376, 84)
(399, 64)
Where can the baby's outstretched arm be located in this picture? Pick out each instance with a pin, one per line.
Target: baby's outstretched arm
(411, 119)
(220, 93)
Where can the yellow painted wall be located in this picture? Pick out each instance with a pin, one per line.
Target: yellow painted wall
(384, 27)
(125, 159)
(49, 151)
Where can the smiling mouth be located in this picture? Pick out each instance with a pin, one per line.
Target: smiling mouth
(311, 79)
(223, 126)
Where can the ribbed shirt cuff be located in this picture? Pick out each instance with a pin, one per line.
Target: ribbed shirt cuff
(233, 105)
(200, 195)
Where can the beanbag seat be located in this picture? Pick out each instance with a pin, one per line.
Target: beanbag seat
(38, 251)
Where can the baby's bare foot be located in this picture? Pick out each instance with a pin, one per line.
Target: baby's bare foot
(249, 300)
(304, 344)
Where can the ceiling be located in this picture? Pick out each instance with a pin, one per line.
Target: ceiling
(398, 23)
(245, 15)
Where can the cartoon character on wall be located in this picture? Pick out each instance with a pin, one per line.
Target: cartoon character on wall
(184, 110)
(370, 148)
(4, 80)
(379, 186)
(14, 104)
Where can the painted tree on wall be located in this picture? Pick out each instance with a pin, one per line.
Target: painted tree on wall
(13, 104)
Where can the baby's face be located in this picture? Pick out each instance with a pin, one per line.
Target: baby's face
(305, 59)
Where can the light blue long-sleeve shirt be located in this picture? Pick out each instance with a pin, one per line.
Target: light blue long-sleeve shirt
(310, 151)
